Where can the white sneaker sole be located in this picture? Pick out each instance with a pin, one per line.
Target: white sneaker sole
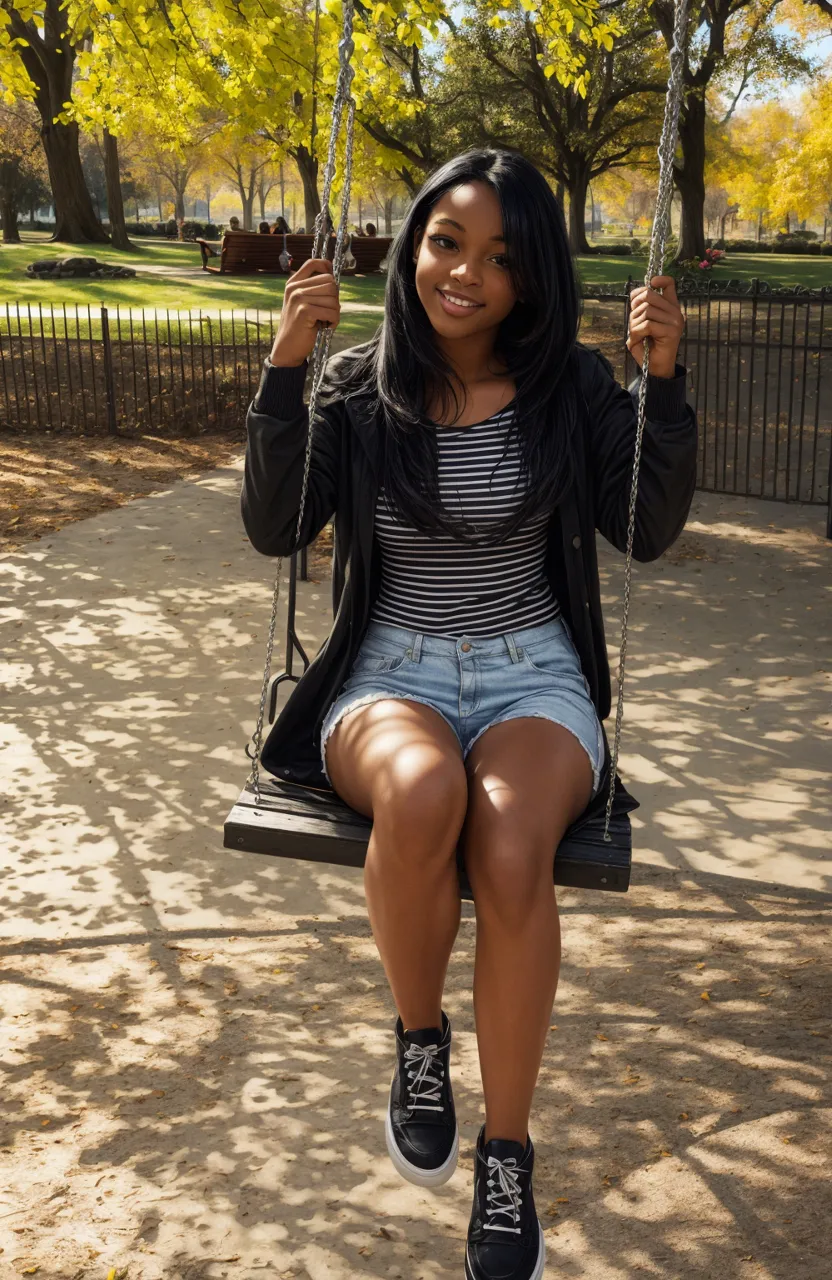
(540, 1267)
(412, 1172)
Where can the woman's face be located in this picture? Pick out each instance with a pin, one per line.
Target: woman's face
(461, 255)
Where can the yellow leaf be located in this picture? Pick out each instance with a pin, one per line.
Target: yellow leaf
(45, 1122)
(600, 1037)
(701, 965)
(683, 1115)
(111, 1274)
(704, 996)
(666, 1153)
(561, 1200)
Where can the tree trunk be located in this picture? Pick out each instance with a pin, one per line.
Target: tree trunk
(75, 218)
(115, 203)
(560, 194)
(248, 210)
(577, 212)
(179, 206)
(11, 232)
(690, 180)
(159, 206)
(759, 225)
(388, 216)
(308, 170)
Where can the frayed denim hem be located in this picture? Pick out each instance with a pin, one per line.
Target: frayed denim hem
(541, 715)
(364, 701)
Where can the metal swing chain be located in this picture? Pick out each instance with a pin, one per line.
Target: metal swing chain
(655, 262)
(343, 96)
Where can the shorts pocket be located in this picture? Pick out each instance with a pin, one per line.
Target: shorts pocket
(367, 664)
(557, 658)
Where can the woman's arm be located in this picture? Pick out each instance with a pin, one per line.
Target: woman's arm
(277, 425)
(667, 471)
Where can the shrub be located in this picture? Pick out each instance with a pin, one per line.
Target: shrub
(171, 229)
(191, 229)
(615, 250)
(794, 244)
(801, 235)
(826, 248)
(743, 246)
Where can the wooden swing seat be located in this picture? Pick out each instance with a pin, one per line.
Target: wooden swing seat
(317, 826)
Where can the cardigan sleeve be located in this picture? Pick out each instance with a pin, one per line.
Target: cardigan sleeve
(277, 425)
(667, 470)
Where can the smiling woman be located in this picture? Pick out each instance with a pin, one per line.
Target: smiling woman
(469, 452)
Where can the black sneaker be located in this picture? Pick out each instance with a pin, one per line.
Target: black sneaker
(421, 1128)
(505, 1239)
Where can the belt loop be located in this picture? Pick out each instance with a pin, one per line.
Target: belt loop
(512, 647)
(416, 647)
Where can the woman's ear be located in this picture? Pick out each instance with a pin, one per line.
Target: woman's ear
(417, 240)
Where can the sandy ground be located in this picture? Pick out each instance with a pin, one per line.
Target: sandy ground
(197, 1043)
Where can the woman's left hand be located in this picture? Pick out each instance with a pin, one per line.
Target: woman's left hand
(659, 317)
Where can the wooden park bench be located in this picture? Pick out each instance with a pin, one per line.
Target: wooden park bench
(249, 252)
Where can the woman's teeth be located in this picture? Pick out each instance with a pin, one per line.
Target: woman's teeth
(457, 302)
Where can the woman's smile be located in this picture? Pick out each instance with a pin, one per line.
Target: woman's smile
(457, 304)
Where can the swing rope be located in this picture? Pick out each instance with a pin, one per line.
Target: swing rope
(667, 146)
(655, 262)
(343, 97)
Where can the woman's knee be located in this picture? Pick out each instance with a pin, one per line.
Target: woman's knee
(510, 880)
(420, 798)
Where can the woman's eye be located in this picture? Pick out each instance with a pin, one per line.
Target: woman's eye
(500, 258)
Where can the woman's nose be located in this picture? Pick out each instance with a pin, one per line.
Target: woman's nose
(465, 274)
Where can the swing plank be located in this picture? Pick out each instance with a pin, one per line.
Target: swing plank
(317, 826)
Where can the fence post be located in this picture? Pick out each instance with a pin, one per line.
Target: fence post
(108, 373)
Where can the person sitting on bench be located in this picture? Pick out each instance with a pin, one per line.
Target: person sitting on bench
(207, 251)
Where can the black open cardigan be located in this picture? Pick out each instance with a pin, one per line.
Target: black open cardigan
(344, 479)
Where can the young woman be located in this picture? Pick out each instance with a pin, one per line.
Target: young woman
(469, 452)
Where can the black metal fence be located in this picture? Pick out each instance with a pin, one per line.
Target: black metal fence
(760, 375)
(124, 370)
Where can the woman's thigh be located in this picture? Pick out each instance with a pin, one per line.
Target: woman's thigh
(393, 753)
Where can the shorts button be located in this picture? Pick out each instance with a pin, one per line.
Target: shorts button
(465, 647)
(576, 541)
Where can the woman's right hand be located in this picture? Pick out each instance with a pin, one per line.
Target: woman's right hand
(310, 300)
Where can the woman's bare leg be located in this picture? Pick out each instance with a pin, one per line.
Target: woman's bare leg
(400, 763)
(528, 780)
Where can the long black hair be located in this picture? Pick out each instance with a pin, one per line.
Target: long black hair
(403, 364)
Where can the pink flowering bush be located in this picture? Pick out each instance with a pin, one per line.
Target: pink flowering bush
(712, 257)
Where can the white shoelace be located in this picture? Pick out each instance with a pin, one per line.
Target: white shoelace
(503, 1194)
(423, 1088)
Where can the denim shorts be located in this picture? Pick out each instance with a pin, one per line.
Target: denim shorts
(474, 683)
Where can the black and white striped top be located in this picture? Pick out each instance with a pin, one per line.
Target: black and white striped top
(437, 584)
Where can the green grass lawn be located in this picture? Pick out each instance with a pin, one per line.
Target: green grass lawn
(202, 291)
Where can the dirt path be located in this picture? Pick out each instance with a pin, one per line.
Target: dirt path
(197, 1043)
